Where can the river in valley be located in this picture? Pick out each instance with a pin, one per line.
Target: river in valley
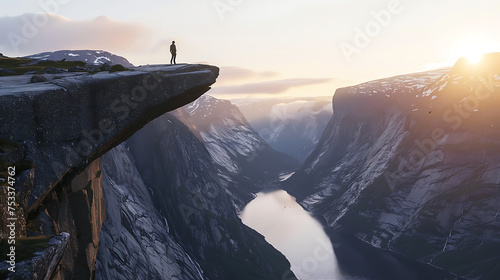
(312, 254)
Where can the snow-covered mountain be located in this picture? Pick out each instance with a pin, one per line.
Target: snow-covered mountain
(245, 161)
(290, 126)
(92, 57)
(411, 164)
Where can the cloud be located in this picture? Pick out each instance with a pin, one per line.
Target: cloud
(268, 87)
(231, 74)
(33, 33)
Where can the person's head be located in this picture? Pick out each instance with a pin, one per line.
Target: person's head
(173, 42)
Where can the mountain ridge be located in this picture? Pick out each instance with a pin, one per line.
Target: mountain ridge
(408, 164)
(246, 163)
(91, 57)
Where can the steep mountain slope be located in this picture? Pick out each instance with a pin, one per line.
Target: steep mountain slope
(152, 208)
(170, 215)
(53, 133)
(290, 126)
(245, 161)
(134, 232)
(89, 56)
(411, 164)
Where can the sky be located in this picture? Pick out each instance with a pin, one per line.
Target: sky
(264, 48)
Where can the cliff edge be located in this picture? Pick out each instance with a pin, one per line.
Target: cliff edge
(410, 164)
(63, 124)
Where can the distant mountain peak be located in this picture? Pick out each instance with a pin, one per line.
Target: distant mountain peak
(241, 155)
(93, 57)
(413, 159)
(488, 65)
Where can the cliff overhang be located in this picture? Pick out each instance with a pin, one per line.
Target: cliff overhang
(63, 124)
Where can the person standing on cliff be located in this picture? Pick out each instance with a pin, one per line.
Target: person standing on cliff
(173, 51)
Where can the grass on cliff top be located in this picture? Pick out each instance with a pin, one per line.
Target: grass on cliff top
(20, 66)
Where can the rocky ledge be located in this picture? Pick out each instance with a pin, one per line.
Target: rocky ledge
(68, 120)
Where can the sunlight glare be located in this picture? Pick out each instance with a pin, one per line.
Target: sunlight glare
(473, 47)
(474, 58)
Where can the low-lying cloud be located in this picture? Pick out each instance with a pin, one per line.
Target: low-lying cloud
(231, 74)
(268, 87)
(34, 33)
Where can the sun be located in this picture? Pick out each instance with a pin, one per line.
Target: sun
(474, 58)
(474, 52)
(473, 47)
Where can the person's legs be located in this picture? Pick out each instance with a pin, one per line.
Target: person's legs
(174, 57)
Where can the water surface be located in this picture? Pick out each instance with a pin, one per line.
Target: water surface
(303, 241)
(296, 234)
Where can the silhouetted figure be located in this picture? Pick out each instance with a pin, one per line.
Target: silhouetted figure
(173, 51)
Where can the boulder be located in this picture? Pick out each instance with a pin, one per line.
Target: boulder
(38, 79)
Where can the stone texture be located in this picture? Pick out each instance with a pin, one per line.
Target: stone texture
(135, 238)
(76, 207)
(74, 118)
(64, 125)
(401, 168)
(43, 264)
(175, 181)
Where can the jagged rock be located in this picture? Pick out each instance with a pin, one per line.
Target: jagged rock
(53, 70)
(157, 227)
(54, 121)
(246, 163)
(77, 69)
(165, 195)
(411, 164)
(38, 79)
(76, 118)
(76, 207)
(135, 240)
(42, 265)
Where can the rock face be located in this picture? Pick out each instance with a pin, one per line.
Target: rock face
(43, 264)
(135, 240)
(153, 207)
(246, 163)
(62, 127)
(88, 56)
(77, 207)
(169, 216)
(73, 119)
(411, 164)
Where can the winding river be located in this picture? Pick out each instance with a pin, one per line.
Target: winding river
(302, 239)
